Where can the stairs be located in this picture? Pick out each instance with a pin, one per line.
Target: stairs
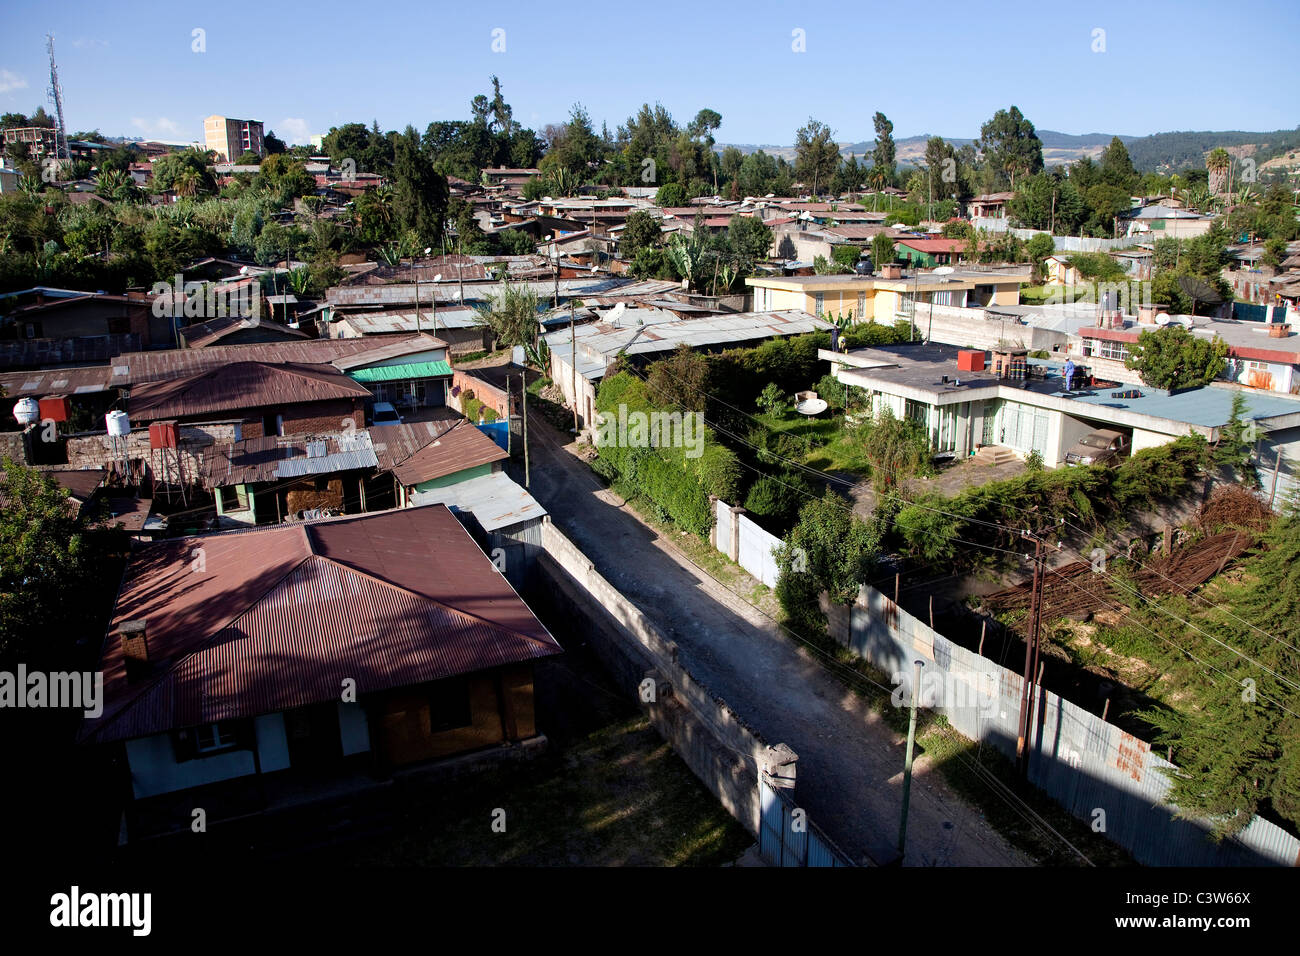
(995, 455)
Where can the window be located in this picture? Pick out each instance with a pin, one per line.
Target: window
(941, 298)
(449, 705)
(213, 737)
(820, 299)
(862, 305)
(1104, 349)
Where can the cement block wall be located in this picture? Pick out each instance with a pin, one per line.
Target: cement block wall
(96, 451)
(721, 750)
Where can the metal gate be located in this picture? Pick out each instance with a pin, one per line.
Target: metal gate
(787, 837)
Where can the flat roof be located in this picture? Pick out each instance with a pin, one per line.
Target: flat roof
(920, 369)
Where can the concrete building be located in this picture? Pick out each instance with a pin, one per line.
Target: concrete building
(231, 138)
(889, 296)
(965, 401)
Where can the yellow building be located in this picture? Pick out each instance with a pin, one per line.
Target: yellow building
(231, 138)
(884, 298)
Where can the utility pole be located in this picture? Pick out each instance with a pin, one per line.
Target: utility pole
(907, 763)
(417, 302)
(1031, 661)
(573, 357)
(523, 399)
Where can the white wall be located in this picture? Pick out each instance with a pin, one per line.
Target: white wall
(1142, 438)
(154, 769)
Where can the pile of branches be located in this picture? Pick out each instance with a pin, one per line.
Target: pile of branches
(1233, 506)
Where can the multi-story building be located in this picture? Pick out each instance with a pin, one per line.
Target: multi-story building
(40, 140)
(231, 138)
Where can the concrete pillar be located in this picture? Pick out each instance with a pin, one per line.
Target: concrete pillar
(733, 546)
(779, 763)
(713, 521)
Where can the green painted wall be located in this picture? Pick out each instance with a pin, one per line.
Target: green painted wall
(477, 471)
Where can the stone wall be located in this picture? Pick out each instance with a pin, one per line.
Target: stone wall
(96, 451)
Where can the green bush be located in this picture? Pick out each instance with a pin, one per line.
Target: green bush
(677, 485)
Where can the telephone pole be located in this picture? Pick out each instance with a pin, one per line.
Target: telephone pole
(573, 356)
(523, 398)
(907, 762)
(1029, 686)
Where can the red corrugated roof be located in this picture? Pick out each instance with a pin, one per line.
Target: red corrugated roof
(279, 618)
(241, 385)
(461, 446)
(934, 245)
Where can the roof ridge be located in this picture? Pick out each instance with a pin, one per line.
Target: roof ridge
(429, 600)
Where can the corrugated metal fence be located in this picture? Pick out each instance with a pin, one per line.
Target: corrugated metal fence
(787, 837)
(1094, 769)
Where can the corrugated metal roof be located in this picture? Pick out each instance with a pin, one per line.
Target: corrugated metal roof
(131, 368)
(82, 350)
(460, 447)
(201, 335)
(386, 323)
(240, 385)
(495, 500)
(61, 381)
(270, 457)
(392, 373)
(281, 616)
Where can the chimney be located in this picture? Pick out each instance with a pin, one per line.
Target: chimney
(135, 649)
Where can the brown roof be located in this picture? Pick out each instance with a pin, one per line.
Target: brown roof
(129, 514)
(240, 385)
(272, 457)
(81, 350)
(279, 617)
(203, 334)
(453, 449)
(131, 368)
(58, 381)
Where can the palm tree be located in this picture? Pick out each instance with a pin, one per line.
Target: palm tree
(1218, 163)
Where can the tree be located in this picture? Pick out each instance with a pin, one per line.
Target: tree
(420, 192)
(185, 171)
(1011, 146)
(642, 230)
(671, 196)
(830, 550)
(817, 155)
(1172, 358)
(701, 129)
(1217, 165)
(511, 315)
(749, 239)
(884, 153)
(45, 563)
(896, 448)
(1117, 167)
(679, 381)
(273, 144)
(882, 250)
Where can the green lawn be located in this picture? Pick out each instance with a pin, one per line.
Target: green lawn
(822, 442)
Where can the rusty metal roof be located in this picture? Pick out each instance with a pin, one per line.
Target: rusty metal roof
(273, 457)
(459, 447)
(278, 618)
(203, 334)
(240, 385)
(132, 368)
(58, 381)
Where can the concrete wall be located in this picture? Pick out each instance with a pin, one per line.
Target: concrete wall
(1081, 761)
(154, 769)
(721, 750)
(975, 328)
(96, 451)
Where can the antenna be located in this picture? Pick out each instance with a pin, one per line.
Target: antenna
(56, 97)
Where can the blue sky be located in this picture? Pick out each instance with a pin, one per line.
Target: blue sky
(937, 67)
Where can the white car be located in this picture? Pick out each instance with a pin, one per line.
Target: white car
(385, 414)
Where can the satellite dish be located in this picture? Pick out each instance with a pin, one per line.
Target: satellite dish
(944, 271)
(243, 270)
(427, 249)
(438, 277)
(616, 313)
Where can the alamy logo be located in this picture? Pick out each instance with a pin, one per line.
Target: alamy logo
(82, 691)
(103, 909)
(205, 300)
(652, 430)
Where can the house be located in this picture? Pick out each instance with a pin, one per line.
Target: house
(989, 206)
(888, 296)
(1261, 355)
(490, 504)
(46, 313)
(965, 401)
(305, 651)
(262, 398)
(641, 334)
(234, 330)
(1164, 222)
(928, 253)
(428, 455)
(458, 326)
(268, 478)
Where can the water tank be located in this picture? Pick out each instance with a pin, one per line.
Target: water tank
(26, 411)
(119, 424)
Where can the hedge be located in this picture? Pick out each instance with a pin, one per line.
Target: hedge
(678, 485)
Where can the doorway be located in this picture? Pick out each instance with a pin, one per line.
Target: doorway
(313, 736)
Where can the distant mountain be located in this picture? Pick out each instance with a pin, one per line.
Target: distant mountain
(1159, 152)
